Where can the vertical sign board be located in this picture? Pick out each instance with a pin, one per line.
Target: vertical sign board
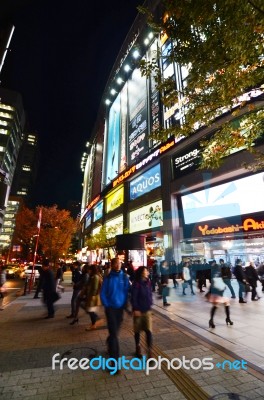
(114, 199)
(113, 142)
(154, 98)
(147, 217)
(138, 118)
(123, 129)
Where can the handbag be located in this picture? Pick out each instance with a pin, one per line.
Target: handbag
(55, 297)
(219, 284)
(184, 285)
(166, 291)
(248, 288)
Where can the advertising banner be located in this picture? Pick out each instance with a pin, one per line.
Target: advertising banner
(186, 161)
(98, 211)
(112, 154)
(114, 226)
(146, 182)
(138, 118)
(115, 199)
(147, 217)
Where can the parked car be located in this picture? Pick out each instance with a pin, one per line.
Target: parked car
(12, 271)
(28, 271)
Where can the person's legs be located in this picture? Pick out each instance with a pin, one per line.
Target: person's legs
(253, 293)
(227, 282)
(114, 319)
(50, 306)
(241, 291)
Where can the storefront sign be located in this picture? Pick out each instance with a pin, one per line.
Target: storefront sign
(88, 219)
(147, 217)
(146, 182)
(187, 161)
(98, 211)
(248, 225)
(115, 199)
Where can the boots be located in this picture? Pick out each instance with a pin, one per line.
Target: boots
(138, 351)
(241, 300)
(211, 321)
(228, 320)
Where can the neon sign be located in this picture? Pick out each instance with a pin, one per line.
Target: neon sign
(249, 224)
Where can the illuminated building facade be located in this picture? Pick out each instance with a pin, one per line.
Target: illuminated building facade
(156, 189)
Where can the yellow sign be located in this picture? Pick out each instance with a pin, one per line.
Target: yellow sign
(115, 199)
(248, 225)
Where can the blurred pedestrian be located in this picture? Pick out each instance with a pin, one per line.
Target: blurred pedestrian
(76, 280)
(92, 295)
(252, 278)
(227, 275)
(141, 300)
(49, 289)
(3, 291)
(114, 297)
(173, 272)
(164, 280)
(187, 277)
(216, 296)
(81, 297)
(59, 275)
(241, 280)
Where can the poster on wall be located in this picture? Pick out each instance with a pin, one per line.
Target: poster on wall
(145, 182)
(114, 226)
(147, 217)
(112, 155)
(138, 122)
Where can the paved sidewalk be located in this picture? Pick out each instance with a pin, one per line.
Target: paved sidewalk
(28, 343)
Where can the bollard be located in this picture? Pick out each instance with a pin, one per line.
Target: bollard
(25, 286)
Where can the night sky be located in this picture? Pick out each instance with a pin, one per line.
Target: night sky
(62, 53)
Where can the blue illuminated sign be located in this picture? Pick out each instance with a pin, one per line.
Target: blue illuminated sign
(98, 211)
(146, 182)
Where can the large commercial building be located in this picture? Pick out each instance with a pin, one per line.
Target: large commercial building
(140, 186)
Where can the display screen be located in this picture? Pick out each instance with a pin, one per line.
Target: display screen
(239, 197)
(147, 217)
(113, 142)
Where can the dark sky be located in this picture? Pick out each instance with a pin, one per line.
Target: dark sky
(61, 55)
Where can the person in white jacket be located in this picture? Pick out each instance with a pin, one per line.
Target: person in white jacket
(187, 278)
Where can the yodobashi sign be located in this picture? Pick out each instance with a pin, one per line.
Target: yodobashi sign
(146, 182)
(147, 217)
(186, 161)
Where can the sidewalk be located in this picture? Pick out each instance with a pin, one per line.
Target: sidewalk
(28, 343)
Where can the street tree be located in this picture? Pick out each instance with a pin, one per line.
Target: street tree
(104, 239)
(220, 45)
(56, 232)
(25, 229)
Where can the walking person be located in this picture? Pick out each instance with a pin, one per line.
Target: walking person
(252, 278)
(76, 279)
(155, 276)
(114, 297)
(49, 289)
(227, 275)
(187, 277)
(81, 297)
(164, 280)
(141, 300)
(59, 275)
(241, 280)
(173, 272)
(216, 296)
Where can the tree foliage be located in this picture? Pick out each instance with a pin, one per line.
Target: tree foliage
(104, 239)
(220, 43)
(56, 230)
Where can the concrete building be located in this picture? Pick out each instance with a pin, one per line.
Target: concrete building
(140, 186)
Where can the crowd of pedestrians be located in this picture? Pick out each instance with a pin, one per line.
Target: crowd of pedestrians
(118, 288)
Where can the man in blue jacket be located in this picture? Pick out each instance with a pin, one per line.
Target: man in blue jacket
(114, 297)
